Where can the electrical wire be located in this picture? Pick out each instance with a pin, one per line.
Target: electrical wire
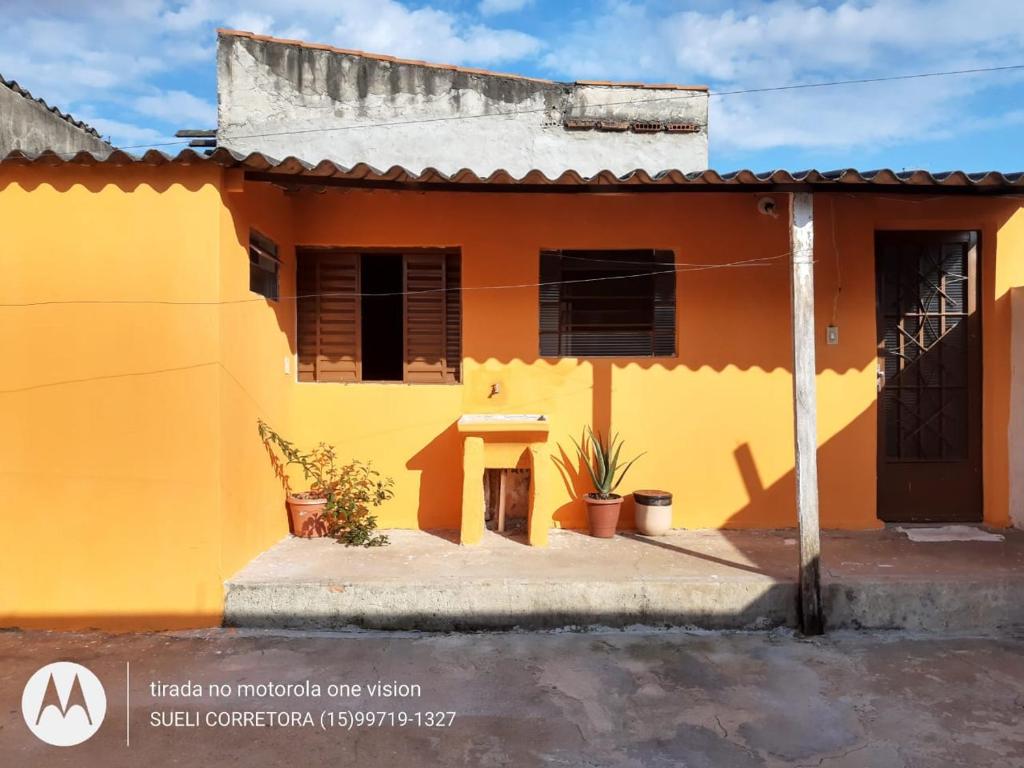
(626, 102)
(763, 261)
(681, 266)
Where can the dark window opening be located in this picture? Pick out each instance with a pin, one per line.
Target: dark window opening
(264, 265)
(607, 304)
(382, 316)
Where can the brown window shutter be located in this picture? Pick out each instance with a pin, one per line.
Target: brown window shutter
(619, 303)
(306, 340)
(328, 317)
(425, 313)
(550, 305)
(664, 305)
(453, 318)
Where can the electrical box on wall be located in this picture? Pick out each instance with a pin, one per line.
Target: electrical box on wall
(832, 334)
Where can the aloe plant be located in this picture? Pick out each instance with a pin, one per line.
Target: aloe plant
(602, 462)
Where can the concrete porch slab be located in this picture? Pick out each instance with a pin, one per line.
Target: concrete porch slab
(706, 579)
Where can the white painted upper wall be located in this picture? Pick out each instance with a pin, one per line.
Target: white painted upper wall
(284, 99)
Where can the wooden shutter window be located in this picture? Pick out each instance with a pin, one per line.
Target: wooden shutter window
(328, 322)
(329, 327)
(453, 318)
(264, 265)
(306, 311)
(607, 304)
(550, 305)
(664, 327)
(425, 313)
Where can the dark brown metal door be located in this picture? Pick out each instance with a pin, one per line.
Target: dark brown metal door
(929, 377)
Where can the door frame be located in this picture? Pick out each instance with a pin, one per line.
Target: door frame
(975, 363)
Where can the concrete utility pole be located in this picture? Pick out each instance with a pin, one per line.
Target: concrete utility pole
(805, 408)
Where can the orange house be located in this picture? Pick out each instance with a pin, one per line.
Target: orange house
(148, 319)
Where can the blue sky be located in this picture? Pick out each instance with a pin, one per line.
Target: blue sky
(140, 69)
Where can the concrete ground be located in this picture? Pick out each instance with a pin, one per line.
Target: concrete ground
(707, 579)
(611, 698)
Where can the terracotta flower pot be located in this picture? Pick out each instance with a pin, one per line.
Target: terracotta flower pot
(306, 515)
(603, 515)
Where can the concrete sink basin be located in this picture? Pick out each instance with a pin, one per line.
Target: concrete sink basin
(503, 422)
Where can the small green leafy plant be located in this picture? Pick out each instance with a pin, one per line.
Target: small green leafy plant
(602, 462)
(350, 490)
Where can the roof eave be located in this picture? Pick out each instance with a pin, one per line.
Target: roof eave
(295, 171)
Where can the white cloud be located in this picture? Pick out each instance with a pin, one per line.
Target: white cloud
(124, 134)
(260, 23)
(179, 107)
(494, 7)
(787, 41)
(189, 16)
(87, 57)
(124, 59)
(387, 26)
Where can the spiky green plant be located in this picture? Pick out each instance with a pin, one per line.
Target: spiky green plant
(602, 462)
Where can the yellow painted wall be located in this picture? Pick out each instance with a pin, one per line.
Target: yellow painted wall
(253, 382)
(132, 481)
(111, 449)
(716, 421)
(727, 392)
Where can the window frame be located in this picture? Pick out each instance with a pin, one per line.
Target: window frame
(555, 334)
(265, 249)
(358, 253)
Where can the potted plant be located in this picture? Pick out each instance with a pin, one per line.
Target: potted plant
(339, 498)
(602, 462)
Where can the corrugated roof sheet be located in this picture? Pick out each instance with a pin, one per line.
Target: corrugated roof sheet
(269, 168)
(13, 85)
